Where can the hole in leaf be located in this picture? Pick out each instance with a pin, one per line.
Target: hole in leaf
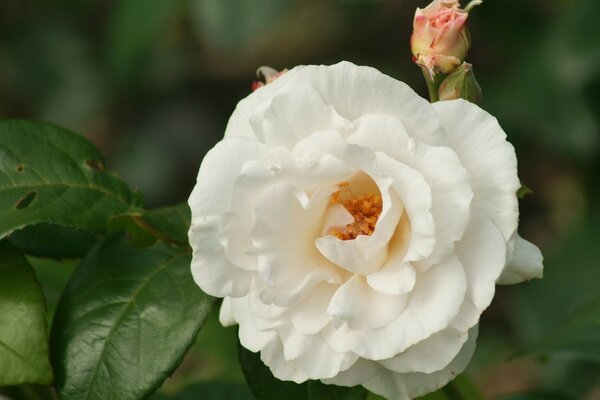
(95, 165)
(20, 168)
(26, 200)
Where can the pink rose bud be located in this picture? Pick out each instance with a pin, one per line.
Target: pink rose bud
(267, 75)
(440, 38)
(461, 84)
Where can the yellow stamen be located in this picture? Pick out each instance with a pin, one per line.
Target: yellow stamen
(365, 209)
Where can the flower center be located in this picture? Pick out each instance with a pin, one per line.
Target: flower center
(365, 210)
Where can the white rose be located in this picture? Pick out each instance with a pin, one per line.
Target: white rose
(356, 232)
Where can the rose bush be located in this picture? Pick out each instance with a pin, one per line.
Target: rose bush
(355, 231)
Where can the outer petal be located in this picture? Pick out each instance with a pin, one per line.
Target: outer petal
(482, 252)
(226, 313)
(311, 359)
(239, 122)
(272, 356)
(218, 171)
(526, 263)
(353, 90)
(250, 337)
(295, 115)
(430, 355)
(211, 270)
(356, 91)
(481, 144)
(409, 386)
(362, 371)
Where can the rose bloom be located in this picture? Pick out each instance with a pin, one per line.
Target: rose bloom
(355, 231)
(440, 38)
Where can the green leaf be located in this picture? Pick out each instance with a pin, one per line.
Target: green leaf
(50, 175)
(266, 387)
(29, 392)
(23, 333)
(437, 395)
(373, 396)
(211, 391)
(55, 241)
(523, 191)
(169, 224)
(460, 388)
(125, 321)
(578, 338)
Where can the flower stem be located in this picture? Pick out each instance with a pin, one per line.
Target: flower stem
(433, 85)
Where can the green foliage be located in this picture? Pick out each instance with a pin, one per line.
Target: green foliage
(556, 65)
(169, 224)
(50, 175)
(457, 389)
(236, 23)
(437, 395)
(211, 391)
(23, 341)
(523, 191)
(134, 26)
(53, 241)
(125, 320)
(578, 338)
(541, 306)
(61, 61)
(266, 387)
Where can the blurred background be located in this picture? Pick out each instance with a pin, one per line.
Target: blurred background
(153, 82)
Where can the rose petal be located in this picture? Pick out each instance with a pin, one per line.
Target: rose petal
(250, 337)
(211, 270)
(434, 302)
(226, 313)
(482, 252)
(409, 386)
(448, 180)
(356, 91)
(364, 308)
(415, 195)
(292, 116)
(481, 144)
(272, 356)
(429, 355)
(362, 371)
(287, 222)
(396, 276)
(218, 171)
(309, 316)
(527, 263)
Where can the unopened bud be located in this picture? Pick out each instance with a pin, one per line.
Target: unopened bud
(266, 76)
(461, 84)
(440, 39)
